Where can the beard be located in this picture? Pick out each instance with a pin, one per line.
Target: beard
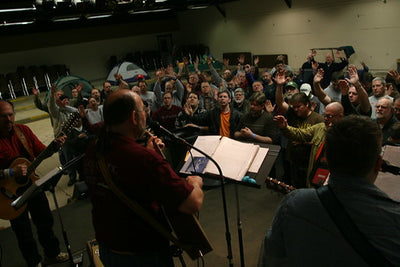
(238, 101)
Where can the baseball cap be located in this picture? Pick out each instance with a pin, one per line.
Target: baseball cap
(292, 84)
(305, 88)
(140, 76)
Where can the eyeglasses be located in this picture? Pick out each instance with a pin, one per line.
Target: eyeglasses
(329, 116)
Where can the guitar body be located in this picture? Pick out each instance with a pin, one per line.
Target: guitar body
(13, 187)
(189, 233)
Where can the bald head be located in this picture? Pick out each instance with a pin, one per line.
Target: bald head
(119, 106)
(333, 112)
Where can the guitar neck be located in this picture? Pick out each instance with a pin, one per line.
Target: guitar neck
(49, 150)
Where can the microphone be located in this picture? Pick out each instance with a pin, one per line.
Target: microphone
(163, 131)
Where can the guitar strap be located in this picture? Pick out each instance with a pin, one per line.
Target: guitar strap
(23, 140)
(134, 206)
(349, 229)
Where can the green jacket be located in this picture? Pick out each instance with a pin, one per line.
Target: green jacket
(314, 134)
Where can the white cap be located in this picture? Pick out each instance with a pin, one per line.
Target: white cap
(305, 88)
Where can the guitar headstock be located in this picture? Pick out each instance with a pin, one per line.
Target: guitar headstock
(278, 186)
(73, 121)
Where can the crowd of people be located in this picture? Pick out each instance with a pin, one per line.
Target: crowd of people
(295, 110)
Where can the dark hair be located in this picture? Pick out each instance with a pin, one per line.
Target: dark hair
(224, 91)
(352, 146)
(117, 110)
(277, 62)
(301, 98)
(193, 93)
(258, 97)
(141, 81)
(166, 93)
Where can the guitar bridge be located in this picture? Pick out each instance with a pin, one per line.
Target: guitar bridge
(7, 193)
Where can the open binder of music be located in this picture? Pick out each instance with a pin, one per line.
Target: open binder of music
(235, 158)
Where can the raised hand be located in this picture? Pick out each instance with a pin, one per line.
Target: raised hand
(315, 65)
(269, 107)
(35, 91)
(353, 75)
(79, 87)
(395, 75)
(313, 52)
(344, 87)
(256, 60)
(196, 63)
(319, 76)
(241, 59)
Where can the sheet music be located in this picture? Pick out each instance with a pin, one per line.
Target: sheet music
(258, 160)
(234, 158)
(206, 143)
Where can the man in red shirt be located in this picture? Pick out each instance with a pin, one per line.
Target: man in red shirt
(142, 175)
(11, 147)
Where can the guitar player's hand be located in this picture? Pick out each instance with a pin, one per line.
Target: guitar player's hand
(20, 170)
(60, 141)
(195, 180)
(155, 141)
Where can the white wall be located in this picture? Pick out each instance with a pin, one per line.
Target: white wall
(261, 27)
(270, 27)
(84, 59)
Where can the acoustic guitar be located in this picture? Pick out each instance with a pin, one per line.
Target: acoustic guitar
(186, 227)
(13, 187)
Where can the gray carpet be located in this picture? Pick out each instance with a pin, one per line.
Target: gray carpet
(257, 207)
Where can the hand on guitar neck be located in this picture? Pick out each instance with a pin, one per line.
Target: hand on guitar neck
(155, 143)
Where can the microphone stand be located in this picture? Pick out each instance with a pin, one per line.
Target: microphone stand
(222, 179)
(156, 127)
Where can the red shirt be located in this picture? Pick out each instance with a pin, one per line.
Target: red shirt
(142, 175)
(11, 147)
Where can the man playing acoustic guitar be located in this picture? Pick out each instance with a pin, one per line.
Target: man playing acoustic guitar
(141, 175)
(18, 141)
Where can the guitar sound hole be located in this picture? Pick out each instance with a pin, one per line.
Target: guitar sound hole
(21, 179)
(22, 189)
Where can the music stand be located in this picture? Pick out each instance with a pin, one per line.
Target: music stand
(259, 177)
(48, 182)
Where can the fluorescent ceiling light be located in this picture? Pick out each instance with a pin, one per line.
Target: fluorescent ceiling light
(18, 9)
(66, 19)
(197, 7)
(161, 1)
(102, 16)
(149, 11)
(5, 23)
